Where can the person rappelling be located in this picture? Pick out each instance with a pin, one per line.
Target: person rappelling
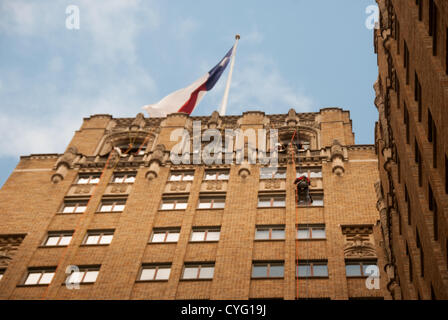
(303, 190)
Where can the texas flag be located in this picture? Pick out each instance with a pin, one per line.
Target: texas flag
(186, 99)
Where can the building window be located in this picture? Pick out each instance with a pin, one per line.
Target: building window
(124, 177)
(198, 271)
(360, 268)
(397, 33)
(165, 235)
(99, 237)
(39, 276)
(212, 202)
(446, 174)
(315, 269)
(433, 20)
(74, 206)
(406, 122)
(318, 200)
(420, 9)
(182, 176)
(2, 272)
(446, 52)
(272, 173)
(270, 233)
(117, 205)
(174, 203)
(418, 161)
(268, 270)
(205, 234)
(84, 275)
(155, 273)
(418, 96)
(309, 172)
(406, 61)
(271, 201)
(216, 175)
(88, 178)
(411, 270)
(58, 238)
(306, 232)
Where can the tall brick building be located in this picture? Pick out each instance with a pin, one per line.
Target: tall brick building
(411, 139)
(138, 226)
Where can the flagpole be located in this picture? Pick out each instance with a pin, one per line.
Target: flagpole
(225, 99)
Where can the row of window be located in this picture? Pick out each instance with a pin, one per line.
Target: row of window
(171, 235)
(198, 271)
(181, 203)
(265, 173)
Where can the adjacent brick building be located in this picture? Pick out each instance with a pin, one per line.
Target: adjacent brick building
(411, 140)
(138, 226)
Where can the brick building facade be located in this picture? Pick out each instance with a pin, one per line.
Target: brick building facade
(411, 139)
(138, 226)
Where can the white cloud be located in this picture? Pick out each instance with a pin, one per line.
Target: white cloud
(258, 84)
(102, 76)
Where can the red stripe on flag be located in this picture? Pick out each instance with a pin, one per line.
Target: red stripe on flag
(191, 103)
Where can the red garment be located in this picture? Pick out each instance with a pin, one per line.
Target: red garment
(302, 178)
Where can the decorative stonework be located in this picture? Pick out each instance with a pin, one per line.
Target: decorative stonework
(9, 244)
(82, 190)
(272, 184)
(119, 188)
(178, 186)
(214, 185)
(358, 242)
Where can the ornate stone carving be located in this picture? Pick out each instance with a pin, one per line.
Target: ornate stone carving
(358, 242)
(83, 190)
(214, 185)
(138, 123)
(119, 188)
(64, 163)
(337, 158)
(8, 247)
(272, 184)
(178, 186)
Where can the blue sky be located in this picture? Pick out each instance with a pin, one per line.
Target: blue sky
(129, 53)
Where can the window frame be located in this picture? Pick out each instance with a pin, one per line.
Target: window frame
(198, 266)
(213, 199)
(274, 174)
(100, 234)
(115, 202)
(217, 173)
(175, 201)
(91, 176)
(84, 270)
(60, 235)
(268, 265)
(124, 176)
(270, 228)
(166, 232)
(272, 199)
(309, 228)
(77, 203)
(361, 264)
(155, 267)
(311, 264)
(183, 174)
(206, 231)
(42, 271)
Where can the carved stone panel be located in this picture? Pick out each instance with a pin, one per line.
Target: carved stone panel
(272, 184)
(359, 242)
(118, 188)
(8, 247)
(178, 186)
